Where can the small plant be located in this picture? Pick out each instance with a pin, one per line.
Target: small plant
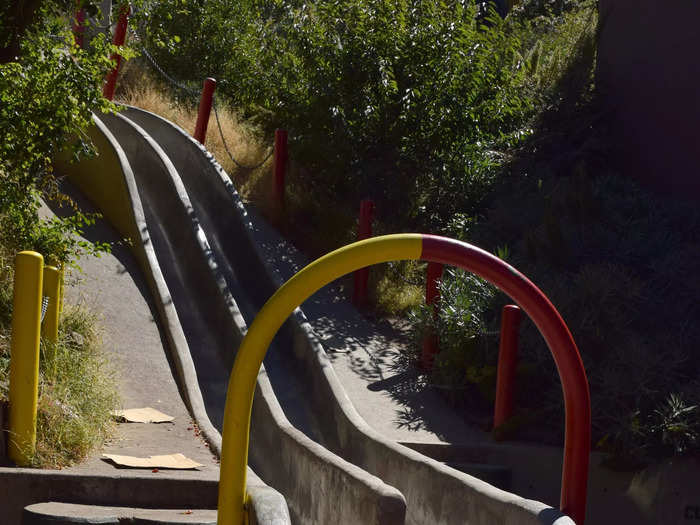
(676, 425)
(467, 356)
(77, 394)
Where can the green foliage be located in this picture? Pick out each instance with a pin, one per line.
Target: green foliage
(57, 239)
(46, 97)
(615, 260)
(411, 103)
(468, 351)
(77, 394)
(46, 100)
(48, 89)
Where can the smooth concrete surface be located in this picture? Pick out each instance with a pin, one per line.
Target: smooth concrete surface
(113, 192)
(209, 319)
(434, 492)
(648, 75)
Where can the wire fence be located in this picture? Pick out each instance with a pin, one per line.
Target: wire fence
(194, 92)
(228, 152)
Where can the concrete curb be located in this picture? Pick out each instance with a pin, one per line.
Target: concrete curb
(25, 487)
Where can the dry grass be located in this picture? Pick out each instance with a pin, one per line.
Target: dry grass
(307, 220)
(139, 88)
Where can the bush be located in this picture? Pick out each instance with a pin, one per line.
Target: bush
(47, 94)
(614, 260)
(48, 90)
(411, 103)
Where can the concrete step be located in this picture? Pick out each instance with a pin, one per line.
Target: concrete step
(54, 513)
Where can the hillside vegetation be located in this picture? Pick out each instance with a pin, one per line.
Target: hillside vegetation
(48, 88)
(459, 121)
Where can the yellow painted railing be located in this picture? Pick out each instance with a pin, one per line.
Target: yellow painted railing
(239, 399)
(24, 361)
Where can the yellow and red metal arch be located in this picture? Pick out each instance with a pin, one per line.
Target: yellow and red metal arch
(239, 398)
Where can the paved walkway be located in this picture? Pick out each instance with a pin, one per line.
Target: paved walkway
(113, 288)
(365, 353)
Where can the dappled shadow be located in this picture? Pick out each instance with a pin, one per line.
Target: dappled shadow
(375, 351)
(102, 232)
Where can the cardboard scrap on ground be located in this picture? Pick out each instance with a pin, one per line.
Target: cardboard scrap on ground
(142, 415)
(172, 461)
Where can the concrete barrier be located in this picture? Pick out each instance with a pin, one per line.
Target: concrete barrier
(434, 492)
(283, 455)
(114, 192)
(190, 269)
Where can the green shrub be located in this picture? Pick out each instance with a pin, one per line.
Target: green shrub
(411, 103)
(47, 94)
(48, 90)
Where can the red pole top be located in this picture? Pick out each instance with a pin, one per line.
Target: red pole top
(205, 103)
(117, 40)
(120, 31)
(79, 28)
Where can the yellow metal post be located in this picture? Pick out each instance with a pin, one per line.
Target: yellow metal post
(241, 387)
(24, 359)
(52, 284)
(61, 279)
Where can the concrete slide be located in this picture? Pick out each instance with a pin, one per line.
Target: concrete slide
(199, 250)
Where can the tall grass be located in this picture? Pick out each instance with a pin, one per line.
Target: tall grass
(77, 386)
(139, 87)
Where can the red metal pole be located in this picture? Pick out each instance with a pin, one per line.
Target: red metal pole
(507, 360)
(117, 40)
(577, 400)
(205, 102)
(364, 231)
(79, 28)
(432, 297)
(279, 167)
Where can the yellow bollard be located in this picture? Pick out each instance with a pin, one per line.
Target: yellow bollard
(60, 291)
(24, 359)
(52, 283)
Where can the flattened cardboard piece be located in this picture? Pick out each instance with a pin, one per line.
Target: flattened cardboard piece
(171, 461)
(142, 415)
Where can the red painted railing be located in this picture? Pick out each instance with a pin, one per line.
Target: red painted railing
(577, 402)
